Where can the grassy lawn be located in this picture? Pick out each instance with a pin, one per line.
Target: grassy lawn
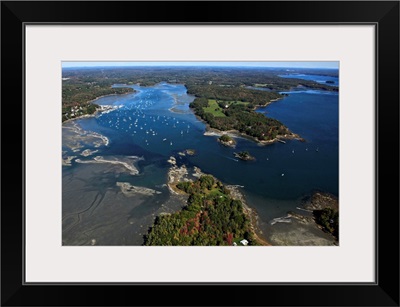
(216, 192)
(214, 108)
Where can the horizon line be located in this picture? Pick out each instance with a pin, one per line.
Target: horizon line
(198, 66)
(242, 64)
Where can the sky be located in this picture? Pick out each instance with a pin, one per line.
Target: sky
(316, 64)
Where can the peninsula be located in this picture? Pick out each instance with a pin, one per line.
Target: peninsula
(227, 109)
(214, 215)
(79, 92)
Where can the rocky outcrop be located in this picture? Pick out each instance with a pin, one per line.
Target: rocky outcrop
(320, 201)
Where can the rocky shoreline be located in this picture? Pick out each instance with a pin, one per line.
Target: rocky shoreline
(245, 156)
(250, 213)
(319, 201)
(102, 109)
(236, 134)
(303, 229)
(178, 174)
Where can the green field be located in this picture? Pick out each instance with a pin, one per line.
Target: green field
(216, 110)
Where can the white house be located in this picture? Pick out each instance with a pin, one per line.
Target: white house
(244, 242)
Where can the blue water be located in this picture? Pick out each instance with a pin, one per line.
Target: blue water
(156, 122)
(316, 78)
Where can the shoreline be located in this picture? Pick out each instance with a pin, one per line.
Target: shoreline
(97, 110)
(251, 215)
(102, 96)
(177, 174)
(79, 117)
(302, 228)
(235, 133)
(81, 134)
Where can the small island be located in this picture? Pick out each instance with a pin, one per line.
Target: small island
(190, 152)
(244, 155)
(226, 140)
(187, 152)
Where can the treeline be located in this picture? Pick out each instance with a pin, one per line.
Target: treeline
(77, 92)
(70, 112)
(81, 85)
(241, 118)
(254, 97)
(211, 218)
(222, 76)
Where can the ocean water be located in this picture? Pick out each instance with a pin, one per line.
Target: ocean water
(317, 78)
(146, 128)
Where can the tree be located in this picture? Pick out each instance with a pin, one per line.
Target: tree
(206, 220)
(225, 138)
(328, 218)
(206, 182)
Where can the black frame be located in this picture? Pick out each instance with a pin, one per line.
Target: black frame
(383, 14)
